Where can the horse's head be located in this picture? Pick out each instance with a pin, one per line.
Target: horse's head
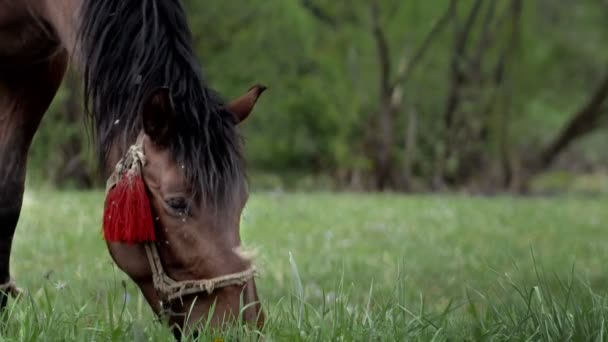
(196, 264)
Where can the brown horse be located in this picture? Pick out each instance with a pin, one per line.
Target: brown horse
(142, 83)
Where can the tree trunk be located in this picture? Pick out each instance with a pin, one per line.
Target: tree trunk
(582, 122)
(410, 148)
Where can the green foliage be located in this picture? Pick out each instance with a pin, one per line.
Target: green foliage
(320, 61)
(362, 267)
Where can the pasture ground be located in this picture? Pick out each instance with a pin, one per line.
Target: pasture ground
(343, 267)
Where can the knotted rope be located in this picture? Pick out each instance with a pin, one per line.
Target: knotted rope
(133, 161)
(172, 289)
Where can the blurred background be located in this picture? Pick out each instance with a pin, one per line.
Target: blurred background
(392, 95)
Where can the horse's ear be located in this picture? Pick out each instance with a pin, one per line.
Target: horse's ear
(158, 115)
(242, 106)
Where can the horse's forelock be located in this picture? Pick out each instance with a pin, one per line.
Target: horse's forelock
(131, 47)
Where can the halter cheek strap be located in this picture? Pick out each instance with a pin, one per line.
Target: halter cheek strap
(167, 288)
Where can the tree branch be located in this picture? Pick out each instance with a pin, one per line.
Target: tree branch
(456, 73)
(464, 35)
(507, 51)
(583, 122)
(381, 49)
(485, 40)
(406, 72)
(319, 13)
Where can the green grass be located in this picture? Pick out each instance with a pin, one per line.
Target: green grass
(343, 267)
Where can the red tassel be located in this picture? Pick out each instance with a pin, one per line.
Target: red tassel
(127, 215)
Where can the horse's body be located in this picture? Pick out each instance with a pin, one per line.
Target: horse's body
(38, 39)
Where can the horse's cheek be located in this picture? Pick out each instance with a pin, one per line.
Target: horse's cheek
(131, 259)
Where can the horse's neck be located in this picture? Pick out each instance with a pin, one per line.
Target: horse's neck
(63, 16)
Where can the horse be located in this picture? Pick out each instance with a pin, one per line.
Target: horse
(143, 88)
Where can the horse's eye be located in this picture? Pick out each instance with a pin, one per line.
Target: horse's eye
(178, 205)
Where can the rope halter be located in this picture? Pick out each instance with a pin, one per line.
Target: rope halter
(168, 289)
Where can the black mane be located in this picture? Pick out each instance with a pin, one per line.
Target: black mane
(131, 48)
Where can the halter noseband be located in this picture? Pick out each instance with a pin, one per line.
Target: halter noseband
(168, 289)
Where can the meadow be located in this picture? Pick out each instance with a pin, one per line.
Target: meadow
(342, 267)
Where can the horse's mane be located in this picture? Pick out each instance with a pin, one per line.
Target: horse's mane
(132, 47)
